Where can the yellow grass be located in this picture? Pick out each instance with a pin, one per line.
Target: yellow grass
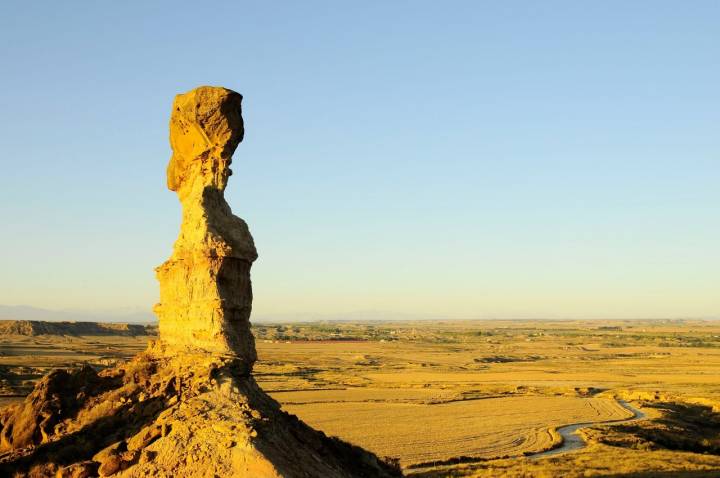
(486, 428)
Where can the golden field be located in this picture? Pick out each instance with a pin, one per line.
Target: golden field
(472, 398)
(423, 433)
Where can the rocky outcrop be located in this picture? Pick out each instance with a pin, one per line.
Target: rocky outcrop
(56, 397)
(163, 416)
(205, 290)
(188, 406)
(39, 327)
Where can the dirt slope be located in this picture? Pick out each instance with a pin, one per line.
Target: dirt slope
(159, 416)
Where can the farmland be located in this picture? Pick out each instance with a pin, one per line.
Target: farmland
(470, 398)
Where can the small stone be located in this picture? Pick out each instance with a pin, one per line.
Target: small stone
(110, 466)
(145, 437)
(108, 451)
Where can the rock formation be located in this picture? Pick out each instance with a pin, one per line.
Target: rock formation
(40, 327)
(205, 292)
(188, 406)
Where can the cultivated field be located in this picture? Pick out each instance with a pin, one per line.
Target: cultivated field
(472, 398)
(423, 433)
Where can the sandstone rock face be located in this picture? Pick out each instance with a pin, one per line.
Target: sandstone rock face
(205, 290)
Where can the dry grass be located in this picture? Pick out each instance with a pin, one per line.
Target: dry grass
(595, 460)
(487, 428)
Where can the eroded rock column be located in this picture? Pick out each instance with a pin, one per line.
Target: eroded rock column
(205, 290)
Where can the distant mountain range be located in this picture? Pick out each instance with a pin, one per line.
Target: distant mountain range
(141, 316)
(25, 312)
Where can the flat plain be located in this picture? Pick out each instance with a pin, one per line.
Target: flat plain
(469, 398)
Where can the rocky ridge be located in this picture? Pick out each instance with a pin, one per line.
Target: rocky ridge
(38, 327)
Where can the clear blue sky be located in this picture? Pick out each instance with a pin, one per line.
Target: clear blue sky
(418, 159)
